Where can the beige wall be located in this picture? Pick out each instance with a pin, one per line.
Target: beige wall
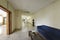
(10, 8)
(18, 19)
(49, 15)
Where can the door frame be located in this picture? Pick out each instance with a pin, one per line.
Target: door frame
(9, 22)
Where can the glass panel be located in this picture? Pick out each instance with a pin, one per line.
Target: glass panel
(1, 20)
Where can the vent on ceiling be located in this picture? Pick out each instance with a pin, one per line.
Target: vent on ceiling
(26, 11)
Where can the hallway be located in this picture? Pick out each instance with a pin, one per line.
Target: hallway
(19, 35)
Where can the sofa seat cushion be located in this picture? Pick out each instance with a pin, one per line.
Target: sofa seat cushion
(48, 32)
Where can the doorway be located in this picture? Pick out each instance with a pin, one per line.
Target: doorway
(5, 21)
(26, 23)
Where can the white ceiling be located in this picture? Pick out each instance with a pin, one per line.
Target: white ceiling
(30, 5)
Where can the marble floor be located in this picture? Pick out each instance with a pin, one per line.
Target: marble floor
(19, 35)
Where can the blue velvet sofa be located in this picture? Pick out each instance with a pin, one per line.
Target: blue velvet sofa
(48, 32)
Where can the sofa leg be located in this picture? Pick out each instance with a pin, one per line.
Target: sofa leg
(31, 38)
